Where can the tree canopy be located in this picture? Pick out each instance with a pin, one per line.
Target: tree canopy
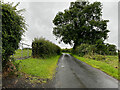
(13, 27)
(81, 23)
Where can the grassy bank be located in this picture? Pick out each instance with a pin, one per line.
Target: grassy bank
(19, 55)
(112, 60)
(43, 68)
(108, 66)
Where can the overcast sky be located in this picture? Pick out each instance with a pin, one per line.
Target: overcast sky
(39, 16)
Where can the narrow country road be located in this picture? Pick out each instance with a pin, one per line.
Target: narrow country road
(72, 73)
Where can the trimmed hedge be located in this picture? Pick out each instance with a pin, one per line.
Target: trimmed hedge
(42, 48)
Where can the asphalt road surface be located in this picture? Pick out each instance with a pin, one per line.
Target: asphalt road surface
(73, 73)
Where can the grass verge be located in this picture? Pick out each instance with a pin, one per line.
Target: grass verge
(43, 68)
(103, 66)
(112, 60)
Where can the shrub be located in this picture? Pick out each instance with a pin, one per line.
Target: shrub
(13, 27)
(111, 49)
(99, 48)
(105, 48)
(84, 49)
(42, 48)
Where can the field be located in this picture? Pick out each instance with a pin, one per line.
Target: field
(109, 65)
(43, 68)
(19, 53)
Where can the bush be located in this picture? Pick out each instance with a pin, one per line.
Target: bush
(13, 27)
(84, 49)
(105, 48)
(42, 48)
(99, 48)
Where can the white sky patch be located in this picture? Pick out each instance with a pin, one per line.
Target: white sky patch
(110, 12)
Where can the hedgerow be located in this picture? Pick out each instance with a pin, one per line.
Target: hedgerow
(13, 27)
(42, 48)
(98, 48)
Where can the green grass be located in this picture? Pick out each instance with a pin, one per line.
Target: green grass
(112, 60)
(105, 66)
(19, 55)
(44, 68)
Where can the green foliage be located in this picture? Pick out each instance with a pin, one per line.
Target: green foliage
(98, 48)
(81, 23)
(42, 48)
(105, 48)
(13, 27)
(111, 49)
(84, 49)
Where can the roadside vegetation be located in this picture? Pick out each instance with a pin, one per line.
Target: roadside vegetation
(42, 68)
(109, 65)
(43, 62)
(22, 53)
(97, 57)
(42, 48)
(13, 27)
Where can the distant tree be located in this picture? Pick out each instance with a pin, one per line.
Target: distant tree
(81, 23)
(13, 27)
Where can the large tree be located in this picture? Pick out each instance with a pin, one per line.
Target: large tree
(81, 23)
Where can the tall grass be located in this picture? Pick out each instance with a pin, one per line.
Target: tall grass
(42, 48)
